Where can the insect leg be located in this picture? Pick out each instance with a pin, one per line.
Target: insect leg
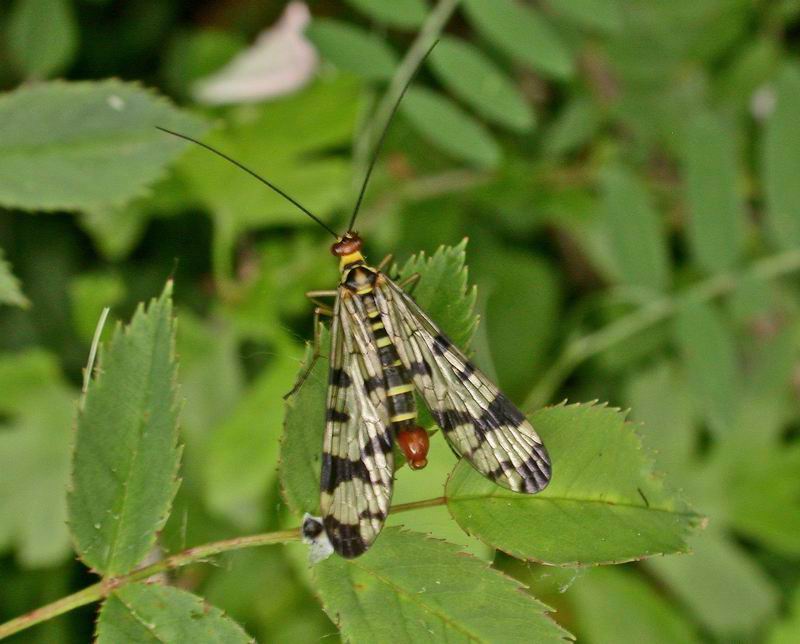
(409, 283)
(385, 263)
(315, 296)
(318, 313)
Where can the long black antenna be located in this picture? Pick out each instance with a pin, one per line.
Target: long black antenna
(241, 166)
(376, 151)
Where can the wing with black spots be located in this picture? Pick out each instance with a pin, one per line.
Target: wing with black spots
(357, 459)
(477, 419)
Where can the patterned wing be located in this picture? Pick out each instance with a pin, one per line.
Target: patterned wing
(357, 460)
(478, 421)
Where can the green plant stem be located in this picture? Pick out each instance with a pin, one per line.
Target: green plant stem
(428, 33)
(103, 588)
(416, 505)
(581, 349)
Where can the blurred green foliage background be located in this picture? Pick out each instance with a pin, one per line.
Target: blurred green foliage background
(627, 173)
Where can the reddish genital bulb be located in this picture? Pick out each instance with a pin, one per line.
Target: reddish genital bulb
(414, 443)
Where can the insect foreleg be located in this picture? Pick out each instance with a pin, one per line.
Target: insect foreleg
(318, 313)
(385, 263)
(315, 296)
(409, 282)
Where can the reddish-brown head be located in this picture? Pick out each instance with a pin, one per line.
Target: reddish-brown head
(414, 443)
(349, 243)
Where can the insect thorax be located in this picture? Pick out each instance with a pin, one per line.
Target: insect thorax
(358, 277)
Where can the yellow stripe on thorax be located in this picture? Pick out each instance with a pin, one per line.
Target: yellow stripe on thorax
(349, 259)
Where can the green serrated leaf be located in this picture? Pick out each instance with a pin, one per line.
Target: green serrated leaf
(10, 291)
(636, 234)
(301, 443)
(522, 33)
(443, 290)
(613, 605)
(781, 161)
(602, 485)
(451, 129)
(382, 597)
(243, 450)
(469, 74)
(603, 15)
(404, 14)
(708, 350)
(126, 453)
(716, 225)
(100, 146)
(352, 49)
(42, 36)
(37, 409)
(443, 293)
(145, 613)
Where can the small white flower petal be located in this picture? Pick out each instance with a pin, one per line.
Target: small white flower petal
(280, 61)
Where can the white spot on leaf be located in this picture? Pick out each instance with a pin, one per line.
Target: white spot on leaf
(116, 102)
(762, 102)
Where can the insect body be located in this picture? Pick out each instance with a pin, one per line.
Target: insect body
(383, 348)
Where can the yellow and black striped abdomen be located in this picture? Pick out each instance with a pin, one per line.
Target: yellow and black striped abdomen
(397, 381)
